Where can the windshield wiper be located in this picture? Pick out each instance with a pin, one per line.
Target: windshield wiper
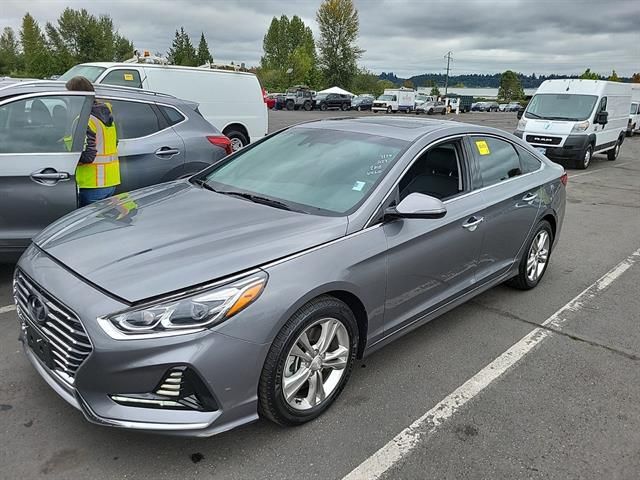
(203, 183)
(534, 115)
(262, 200)
(561, 118)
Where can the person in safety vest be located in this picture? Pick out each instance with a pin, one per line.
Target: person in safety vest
(98, 172)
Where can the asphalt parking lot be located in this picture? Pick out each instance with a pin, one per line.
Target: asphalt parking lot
(562, 403)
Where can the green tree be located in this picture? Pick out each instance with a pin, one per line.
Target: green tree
(510, 87)
(589, 75)
(122, 48)
(435, 91)
(289, 54)
(382, 85)
(635, 78)
(613, 77)
(34, 47)
(408, 84)
(204, 54)
(365, 82)
(182, 51)
(9, 52)
(339, 54)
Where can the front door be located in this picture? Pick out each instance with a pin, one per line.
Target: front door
(41, 138)
(430, 262)
(148, 147)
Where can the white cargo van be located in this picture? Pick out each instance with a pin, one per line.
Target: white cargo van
(634, 114)
(395, 100)
(571, 120)
(231, 101)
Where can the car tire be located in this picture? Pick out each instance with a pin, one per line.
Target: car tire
(290, 105)
(615, 151)
(443, 112)
(345, 107)
(238, 139)
(323, 107)
(430, 111)
(531, 269)
(389, 109)
(584, 162)
(307, 106)
(359, 108)
(283, 362)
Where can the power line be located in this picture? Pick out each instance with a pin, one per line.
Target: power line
(446, 80)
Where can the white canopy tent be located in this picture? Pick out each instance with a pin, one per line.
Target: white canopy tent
(336, 90)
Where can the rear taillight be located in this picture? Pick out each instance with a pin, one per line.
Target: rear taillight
(564, 178)
(222, 142)
(264, 95)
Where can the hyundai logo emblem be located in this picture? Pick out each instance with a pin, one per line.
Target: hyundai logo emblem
(38, 309)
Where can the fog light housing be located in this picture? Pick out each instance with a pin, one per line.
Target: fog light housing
(180, 389)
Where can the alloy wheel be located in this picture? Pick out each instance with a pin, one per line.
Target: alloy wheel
(236, 144)
(315, 364)
(538, 256)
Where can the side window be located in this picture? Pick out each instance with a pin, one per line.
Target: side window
(436, 173)
(134, 119)
(123, 78)
(603, 105)
(529, 163)
(172, 115)
(497, 159)
(45, 124)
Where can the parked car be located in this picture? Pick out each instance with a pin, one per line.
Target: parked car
(503, 107)
(270, 100)
(432, 107)
(299, 97)
(231, 101)
(333, 100)
(513, 107)
(161, 138)
(362, 102)
(485, 107)
(252, 288)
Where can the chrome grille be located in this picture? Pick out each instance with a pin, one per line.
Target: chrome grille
(68, 341)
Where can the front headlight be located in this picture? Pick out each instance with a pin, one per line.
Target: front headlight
(522, 124)
(190, 312)
(580, 127)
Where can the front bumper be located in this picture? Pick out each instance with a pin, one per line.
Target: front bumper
(572, 148)
(228, 367)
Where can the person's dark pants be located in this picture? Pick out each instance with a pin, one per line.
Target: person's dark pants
(91, 195)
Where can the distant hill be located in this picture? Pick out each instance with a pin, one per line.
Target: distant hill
(474, 80)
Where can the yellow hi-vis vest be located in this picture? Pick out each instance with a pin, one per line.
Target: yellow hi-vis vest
(104, 171)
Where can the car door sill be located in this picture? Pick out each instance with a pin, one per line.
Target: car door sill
(437, 311)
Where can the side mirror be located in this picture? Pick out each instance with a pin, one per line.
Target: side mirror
(602, 118)
(417, 205)
(520, 113)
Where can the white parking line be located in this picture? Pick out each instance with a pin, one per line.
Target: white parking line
(408, 439)
(8, 308)
(598, 170)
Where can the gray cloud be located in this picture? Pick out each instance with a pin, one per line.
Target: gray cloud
(404, 36)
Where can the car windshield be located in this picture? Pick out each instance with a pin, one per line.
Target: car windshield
(310, 169)
(90, 72)
(561, 106)
(385, 97)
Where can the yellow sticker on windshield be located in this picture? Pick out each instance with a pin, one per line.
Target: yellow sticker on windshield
(128, 76)
(483, 148)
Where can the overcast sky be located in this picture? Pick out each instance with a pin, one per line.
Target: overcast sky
(407, 37)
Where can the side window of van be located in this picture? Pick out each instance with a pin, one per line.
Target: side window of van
(123, 78)
(134, 119)
(603, 104)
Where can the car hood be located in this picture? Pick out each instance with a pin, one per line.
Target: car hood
(549, 127)
(172, 236)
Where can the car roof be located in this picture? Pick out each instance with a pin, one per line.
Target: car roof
(165, 67)
(398, 127)
(10, 88)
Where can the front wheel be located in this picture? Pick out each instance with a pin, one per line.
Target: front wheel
(583, 163)
(323, 107)
(308, 106)
(534, 263)
(309, 362)
(359, 108)
(345, 107)
(389, 110)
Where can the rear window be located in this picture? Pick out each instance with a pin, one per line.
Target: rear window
(172, 115)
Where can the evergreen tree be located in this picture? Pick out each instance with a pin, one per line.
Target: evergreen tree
(635, 78)
(9, 52)
(338, 23)
(204, 55)
(34, 48)
(589, 75)
(435, 91)
(510, 87)
(614, 77)
(182, 51)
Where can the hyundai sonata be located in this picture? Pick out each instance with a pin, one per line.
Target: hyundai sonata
(250, 289)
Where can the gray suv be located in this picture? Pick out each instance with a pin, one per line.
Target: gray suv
(161, 138)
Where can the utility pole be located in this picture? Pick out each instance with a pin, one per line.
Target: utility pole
(446, 81)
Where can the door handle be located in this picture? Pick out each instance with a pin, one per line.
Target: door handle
(49, 176)
(530, 196)
(473, 223)
(166, 151)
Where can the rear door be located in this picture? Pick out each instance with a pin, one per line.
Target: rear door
(148, 148)
(41, 138)
(511, 198)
